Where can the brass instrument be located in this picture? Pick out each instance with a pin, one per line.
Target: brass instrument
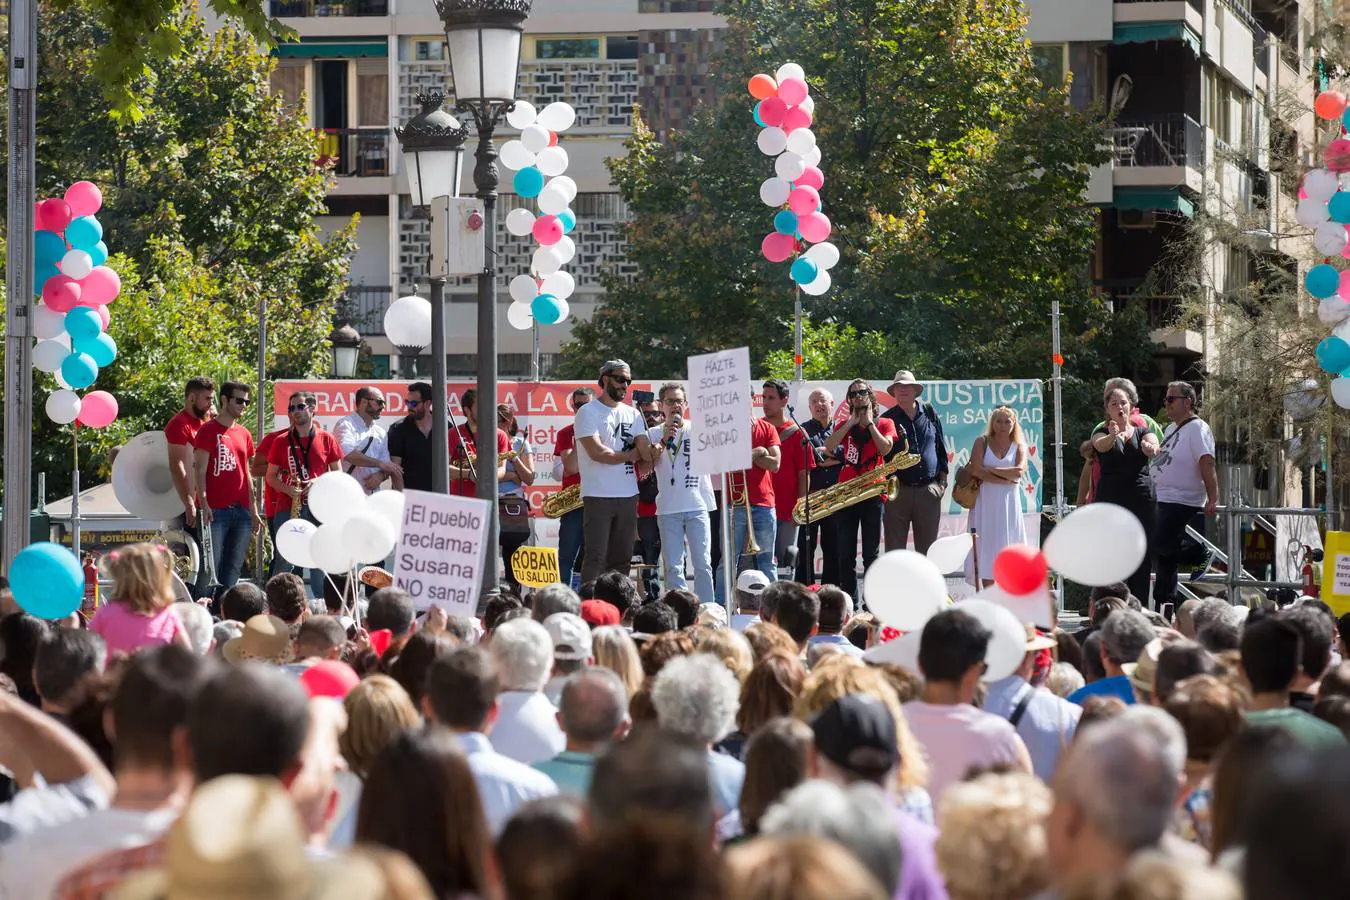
(560, 503)
(208, 551)
(864, 486)
(471, 459)
(298, 500)
(751, 547)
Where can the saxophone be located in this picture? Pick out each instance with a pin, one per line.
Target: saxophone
(864, 486)
(560, 503)
(298, 500)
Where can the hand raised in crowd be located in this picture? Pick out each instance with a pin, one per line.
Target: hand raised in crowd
(436, 621)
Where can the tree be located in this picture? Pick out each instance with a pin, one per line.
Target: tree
(832, 351)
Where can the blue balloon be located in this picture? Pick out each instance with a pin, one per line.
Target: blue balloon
(98, 253)
(804, 271)
(1322, 281)
(83, 322)
(759, 121)
(84, 232)
(48, 247)
(41, 274)
(102, 349)
(785, 222)
(47, 580)
(1339, 207)
(79, 370)
(1333, 354)
(546, 309)
(528, 182)
(568, 219)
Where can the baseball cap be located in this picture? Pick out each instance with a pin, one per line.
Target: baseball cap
(571, 636)
(711, 614)
(600, 612)
(613, 365)
(857, 733)
(751, 581)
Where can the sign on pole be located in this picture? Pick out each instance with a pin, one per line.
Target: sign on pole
(720, 391)
(439, 559)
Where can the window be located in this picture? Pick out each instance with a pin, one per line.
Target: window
(1051, 62)
(372, 93)
(621, 47)
(289, 82)
(567, 48)
(428, 51)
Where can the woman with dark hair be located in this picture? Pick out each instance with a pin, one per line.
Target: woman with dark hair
(1240, 769)
(1124, 444)
(862, 442)
(775, 763)
(769, 693)
(512, 498)
(420, 798)
(20, 635)
(537, 848)
(410, 667)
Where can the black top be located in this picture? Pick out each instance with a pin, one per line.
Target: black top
(923, 436)
(818, 434)
(413, 448)
(1124, 469)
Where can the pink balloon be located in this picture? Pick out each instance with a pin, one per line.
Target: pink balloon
(814, 227)
(804, 200)
(812, 177)
(84, 198)
(1344, 289)
(98, 409)
(62, 293)
(1346, 252)
(778, 247)
(330, 678)
(1302, 193)
(100, 286)
(772, 110)
(548, 230)
(791, 91)
(1337, 155)
(56, 214)
(103, 316)
(796, 118)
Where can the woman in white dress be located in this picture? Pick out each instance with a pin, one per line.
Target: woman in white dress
(998, 460)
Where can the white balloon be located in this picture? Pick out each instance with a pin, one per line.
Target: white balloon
(774, 191)
(545, 261)
(809, 104)
(1007, 643)
(902, 652)
(523, 288)
(789, 166)
(522, 115)
(1343, 181)
(557, 116)
(1340, 391)
(560, 284)
(294, 536)
(1311, 212)
(825, 255)
(904, 589)
(535, 138)
(813, 158)
(390, 505)
(1097, 544)
(335, 497)
(1330, 238)
(566, 248)
(820, 285)
(63, 407)
(801, 141)
(1303, 399)
(789, 70)
(520, 316)
(61, 381)
(368, 537)
(77, 264)
(564, 309)
(327, 550)
(1320, 184)
(772, 141)
(1342, 331)
(1330, 311)
(515, 155)
(552, 199)
(949, 553)
(47, 323)
(567, 186)
(48, 356)
(520, 222)
(552, 160)
(1035, 607)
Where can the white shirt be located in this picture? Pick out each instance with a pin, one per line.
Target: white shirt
(680, 491)
(32, 866)
(504, 785)
(615, 427)
(512, 488)
(527, 727)
(45, 805)
(1176, 468)
(352, 432)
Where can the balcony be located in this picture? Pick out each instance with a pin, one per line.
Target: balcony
(1151, 9)
(364, 306)
(304, 9)
(356, 153)
(1161, 151)
(1161, 311)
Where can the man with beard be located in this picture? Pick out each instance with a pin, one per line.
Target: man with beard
(365, 443)
(862, 441)
(410, 439)
(221, 453)
(295, 459)
(199, 398)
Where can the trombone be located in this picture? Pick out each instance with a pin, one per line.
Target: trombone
(751, 547)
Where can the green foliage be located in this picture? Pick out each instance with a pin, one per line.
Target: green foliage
(832, 351)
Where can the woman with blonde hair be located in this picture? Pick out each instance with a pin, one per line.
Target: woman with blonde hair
(378, 710)
(798, 868)
(992, 844)
(140, 612)
(731, 648)
(612, 647)
(998, 460)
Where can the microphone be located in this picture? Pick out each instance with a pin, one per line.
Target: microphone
(673, 442)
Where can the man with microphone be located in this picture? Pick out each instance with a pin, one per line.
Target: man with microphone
(684, 499)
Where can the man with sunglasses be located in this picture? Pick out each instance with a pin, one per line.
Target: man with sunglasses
(862, 442)
(612, 444)
(566, 470)
(302, 454)
(221, 454)
(365, 443)
(1185, 483)
(410, 439)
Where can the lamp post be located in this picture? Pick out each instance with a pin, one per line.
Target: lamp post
(407, 322)
(433, 150)
(484, 37)
(346, 344)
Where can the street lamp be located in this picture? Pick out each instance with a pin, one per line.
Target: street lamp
(433, 153)
(483, 37)
(407, 322)
(346, 343)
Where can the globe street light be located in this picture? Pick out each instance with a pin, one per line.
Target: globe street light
(407, 322)
(484, 37)
(346, 343)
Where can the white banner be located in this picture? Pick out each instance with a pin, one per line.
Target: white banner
(439, 558)
(719, 409)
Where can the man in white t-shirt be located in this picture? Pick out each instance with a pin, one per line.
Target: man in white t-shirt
(365, 443)
(685, 499)
(1185, 483)
(612, 444)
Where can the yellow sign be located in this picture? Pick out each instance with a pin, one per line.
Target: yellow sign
(535, 566)
(1336, 572)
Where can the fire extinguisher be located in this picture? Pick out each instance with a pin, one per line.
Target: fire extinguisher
(90, 604)
(1311, 575)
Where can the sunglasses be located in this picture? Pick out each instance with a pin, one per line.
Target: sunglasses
(1170, 399)
(620, 379)
(376, 402)
(301, 408)
(859, 393)
(242, 401)
(410, 402)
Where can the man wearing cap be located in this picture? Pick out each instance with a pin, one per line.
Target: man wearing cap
(750, 584)
(593, 712)
(612, 444)
(571, 637)
(599, 613)
(1045, 722)
(918, 502)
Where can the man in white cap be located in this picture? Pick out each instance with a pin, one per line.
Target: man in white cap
(750, 584)
(571, 650)
(918, 502)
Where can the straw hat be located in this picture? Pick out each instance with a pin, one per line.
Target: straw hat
(903, 377)
(265, 639)
(1038, 641)
(1144, 672)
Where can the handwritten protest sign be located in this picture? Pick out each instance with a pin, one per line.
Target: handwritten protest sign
(535, 566)
(439, 559)
(719, 408)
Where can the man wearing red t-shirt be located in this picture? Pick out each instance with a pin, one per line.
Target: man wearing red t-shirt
(199, 396)
(863, 441)
(221, 453)
(464, 442)
(789, 482)
(758, 481)
(302, 453)
(272, 499)
(571, 526)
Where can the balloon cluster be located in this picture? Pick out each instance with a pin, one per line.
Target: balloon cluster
(784, 113)
(1324, 206)
(71, 322)
(539, 164)
(355, 528)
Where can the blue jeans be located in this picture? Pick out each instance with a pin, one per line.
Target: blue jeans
(231, 529)
(766, 526)
(279, 562)
(694, 527)
(571, 542)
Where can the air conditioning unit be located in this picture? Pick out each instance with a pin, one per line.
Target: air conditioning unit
(1136, 218)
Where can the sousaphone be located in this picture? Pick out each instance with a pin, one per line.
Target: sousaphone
(142, 484)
